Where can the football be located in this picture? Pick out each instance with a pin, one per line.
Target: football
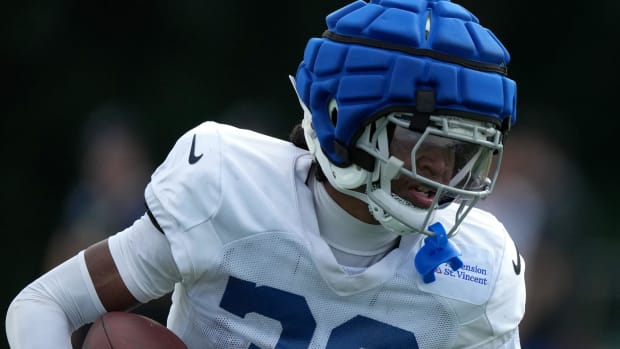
(121, 330)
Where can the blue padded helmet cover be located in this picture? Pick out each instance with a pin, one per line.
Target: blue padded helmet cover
(386, 57)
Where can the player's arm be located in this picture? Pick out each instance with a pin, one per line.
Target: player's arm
(47, 311)
(107, 281)
(132, 267)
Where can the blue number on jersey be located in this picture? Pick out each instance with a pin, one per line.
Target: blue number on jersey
(243, 297)
(292, 311)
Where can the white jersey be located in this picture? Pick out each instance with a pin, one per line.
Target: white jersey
(240, 220)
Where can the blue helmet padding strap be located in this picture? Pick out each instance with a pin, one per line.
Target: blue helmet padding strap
(425, 101)
(425, 105)
(480, 66)
(420, 122)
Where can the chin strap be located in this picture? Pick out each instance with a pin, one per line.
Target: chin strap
(436, 250)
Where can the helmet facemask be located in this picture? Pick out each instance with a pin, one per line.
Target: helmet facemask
(419, 172)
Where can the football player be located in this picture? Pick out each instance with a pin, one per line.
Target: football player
(360, 233)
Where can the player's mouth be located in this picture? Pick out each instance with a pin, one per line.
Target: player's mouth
(420, 195)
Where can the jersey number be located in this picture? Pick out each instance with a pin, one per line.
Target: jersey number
(292, 311)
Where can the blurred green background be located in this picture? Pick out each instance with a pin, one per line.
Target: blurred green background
(168, 66)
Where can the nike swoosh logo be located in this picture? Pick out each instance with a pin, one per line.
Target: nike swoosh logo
(193, 158)
(517, 266)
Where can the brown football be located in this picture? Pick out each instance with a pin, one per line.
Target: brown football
(121, 330)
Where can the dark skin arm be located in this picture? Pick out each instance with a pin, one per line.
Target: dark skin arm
(110, 288)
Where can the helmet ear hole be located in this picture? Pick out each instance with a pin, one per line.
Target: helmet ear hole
(332, 109)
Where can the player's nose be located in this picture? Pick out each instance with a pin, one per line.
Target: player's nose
(433, 163)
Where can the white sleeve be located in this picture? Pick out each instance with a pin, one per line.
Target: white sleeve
(182, 196)
(144, 260)
(46, 312)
